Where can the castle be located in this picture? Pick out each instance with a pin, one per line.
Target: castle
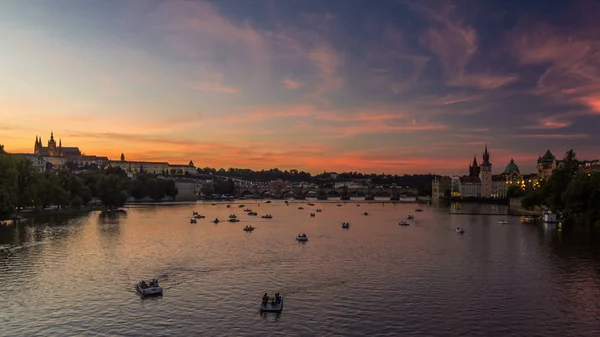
(55, 151)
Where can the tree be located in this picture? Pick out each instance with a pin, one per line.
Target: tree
(26, 182)
(2, 149)
(514, 192)
(112, 191)
(8, 186)
(447, 193)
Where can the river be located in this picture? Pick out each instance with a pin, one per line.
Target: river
(77, 276)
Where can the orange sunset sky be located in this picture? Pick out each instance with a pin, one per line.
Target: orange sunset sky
(385, 86)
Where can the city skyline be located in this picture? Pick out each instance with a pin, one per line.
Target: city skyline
(394, 87)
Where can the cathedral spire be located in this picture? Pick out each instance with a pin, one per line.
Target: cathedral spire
(60, 142)
(51, 135)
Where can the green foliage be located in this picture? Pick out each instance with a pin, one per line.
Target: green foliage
(112, 190)
(146, 185)
(568, 191)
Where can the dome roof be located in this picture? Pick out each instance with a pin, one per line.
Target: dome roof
(511, 167)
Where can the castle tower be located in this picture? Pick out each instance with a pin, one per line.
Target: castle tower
(52, 146)
(486, 175)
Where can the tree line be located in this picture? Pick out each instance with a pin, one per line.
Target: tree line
(23, 186)
(568, 191)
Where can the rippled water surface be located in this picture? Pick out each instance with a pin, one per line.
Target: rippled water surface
(77, 276)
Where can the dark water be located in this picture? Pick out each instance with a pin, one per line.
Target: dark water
(76, 277)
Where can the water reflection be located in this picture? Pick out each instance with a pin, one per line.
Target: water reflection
(514, 279)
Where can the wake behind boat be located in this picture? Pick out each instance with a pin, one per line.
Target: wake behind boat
(149, 288)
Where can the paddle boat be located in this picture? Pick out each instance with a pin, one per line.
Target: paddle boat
(252, 213)
(346, 225)
(529, 219)
(357, 205)
(287, 202)
(300, 207)
(242, 206)
(404, 223)
(312, 214)
(274, 304)
(318, 210)
(194, 213)
(248, 228)
(232, 216)
(234, 220)
(198, 216)
(302, 237)
(339, 205)
(411, 217)
(192, 220)
(149, 288)
(310, 204)
(418, 210)
(460, 230)
(216, 220)
(268, 202)
(502, 222)
(213, 204)
(247, 210)
(365, 213)
(228, 206)
(267, 216)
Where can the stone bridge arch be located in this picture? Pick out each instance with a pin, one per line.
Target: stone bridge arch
(334, 193)
(246, 193)
(382, 193)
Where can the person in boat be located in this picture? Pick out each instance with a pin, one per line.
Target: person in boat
(143, 285)
(265, 299)
(277, 299)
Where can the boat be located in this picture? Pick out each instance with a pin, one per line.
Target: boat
(302, 237)
(268, 202)
(248, 228)
(242, 206)
(287, 202)
(346, 225)
(300, 207)
(267, 216)
(228, 206)
(213, 204)
(252, 213)
(418, 210)
(318, 210)
(529, 219)
(339, 205)
(234, 220)
(192, 220)
(272, 305)
(502, 222)
(247, 210)
(312, 214)
(149, 288)
(411, 217)
(198, 216)
(194, 213)
(232, 216)
(404, 223)
(216, 220)
(460, 230)
(357, 205)
(310, 204)
(365, 213)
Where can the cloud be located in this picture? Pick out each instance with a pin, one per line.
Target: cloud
(291, 84)
(554, 136)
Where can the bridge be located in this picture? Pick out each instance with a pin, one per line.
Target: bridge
(394, 193)
(285, 190)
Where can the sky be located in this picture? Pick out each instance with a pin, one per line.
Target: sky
(395, 87)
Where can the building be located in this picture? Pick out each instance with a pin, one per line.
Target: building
(37, 160)
(439, 186)
(545, 165)
(470, 186)
(474, 169)
(512, 174)
(499, 186)
(486, 175)
(134, 167)
(52, 150)
(590, 165)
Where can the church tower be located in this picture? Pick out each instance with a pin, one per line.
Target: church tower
(474, 168)
(52, 146)
(486, 175)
